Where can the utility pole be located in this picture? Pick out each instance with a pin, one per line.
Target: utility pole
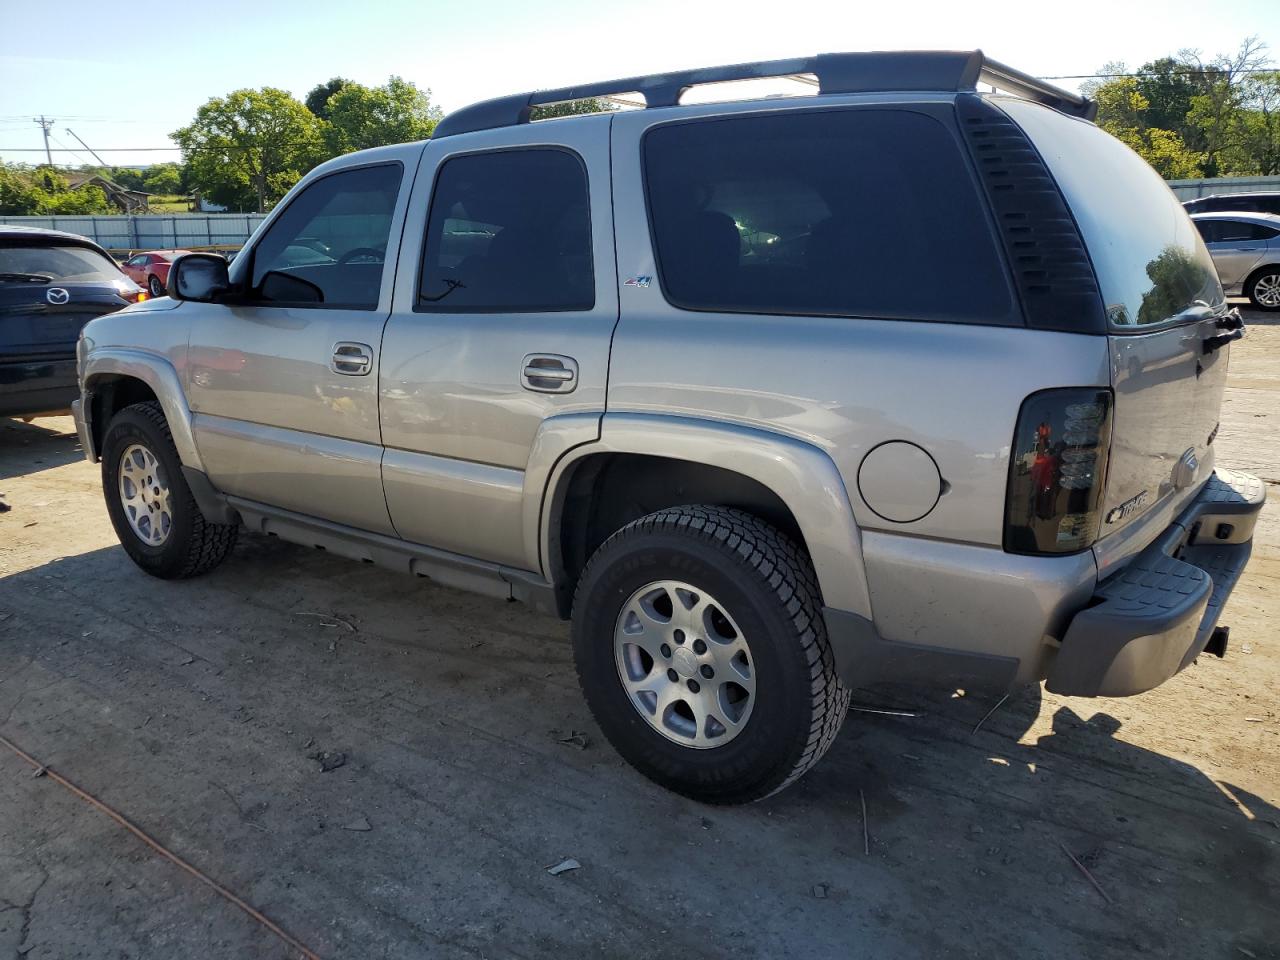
(89, 148)
(44, 128)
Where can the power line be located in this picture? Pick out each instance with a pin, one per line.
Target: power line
(1183, 71)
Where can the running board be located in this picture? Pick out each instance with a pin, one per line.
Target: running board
(440, 566)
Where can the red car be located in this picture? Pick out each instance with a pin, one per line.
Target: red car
(151, 270)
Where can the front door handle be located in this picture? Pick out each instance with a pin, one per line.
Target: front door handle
(549, 373)
(351, 359)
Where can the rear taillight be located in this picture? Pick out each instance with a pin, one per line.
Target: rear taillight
(1057, 469)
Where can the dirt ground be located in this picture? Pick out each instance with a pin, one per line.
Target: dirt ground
(470, 765)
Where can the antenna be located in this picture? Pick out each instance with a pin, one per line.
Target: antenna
(44, 128)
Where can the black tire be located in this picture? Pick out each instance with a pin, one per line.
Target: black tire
(194, 545)
(1271, 274)
(767, 586)
(155, 287)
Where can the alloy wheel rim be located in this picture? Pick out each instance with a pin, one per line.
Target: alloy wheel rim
(1267, 290)
(684, 664)
(144, 495)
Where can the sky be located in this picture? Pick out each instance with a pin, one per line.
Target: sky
(133, 90)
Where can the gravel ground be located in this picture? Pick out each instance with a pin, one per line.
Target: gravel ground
(467, 764)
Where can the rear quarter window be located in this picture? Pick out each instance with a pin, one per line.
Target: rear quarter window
(1150, 261)
(863, 212)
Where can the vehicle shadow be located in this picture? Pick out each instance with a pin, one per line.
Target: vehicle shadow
(458, 710)
(1041, 780)
(43, 444)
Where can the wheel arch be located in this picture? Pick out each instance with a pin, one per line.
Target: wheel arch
(1246, 288)
(115, 378)
(642, 462)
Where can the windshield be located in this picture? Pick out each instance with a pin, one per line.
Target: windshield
(1151, 264)
(62, 263)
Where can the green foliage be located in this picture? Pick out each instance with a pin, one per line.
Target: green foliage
(318, 99)
(163, 178)
(361, 117)
(128, 177)
(43, 191)
(1190, 118)
(571, 108)
(245, 150)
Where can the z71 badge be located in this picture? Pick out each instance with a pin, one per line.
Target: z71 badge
(1127, 509)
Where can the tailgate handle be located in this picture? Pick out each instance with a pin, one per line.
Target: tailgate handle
(1221, 340)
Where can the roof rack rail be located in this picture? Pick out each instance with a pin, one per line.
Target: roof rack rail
(836, 72)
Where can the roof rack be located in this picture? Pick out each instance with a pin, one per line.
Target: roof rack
(836, 73)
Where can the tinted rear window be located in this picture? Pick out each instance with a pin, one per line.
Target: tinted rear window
(509, 232)
(862, 213)
(65, 263)
(1223, 231)
(1148, 256)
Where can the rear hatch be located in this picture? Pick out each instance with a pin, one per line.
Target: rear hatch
(1164, 305)
(49, 291)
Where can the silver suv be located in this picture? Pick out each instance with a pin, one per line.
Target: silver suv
(898, 381)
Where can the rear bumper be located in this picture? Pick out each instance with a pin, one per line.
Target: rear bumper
(37, 386)
(1153, 617)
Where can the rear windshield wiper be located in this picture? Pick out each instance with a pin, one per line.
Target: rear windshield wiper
(26, 277)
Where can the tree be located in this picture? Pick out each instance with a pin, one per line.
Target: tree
(1255, 135)
(572, 108)
(248, 148)
(27, 192)
(1168, 85)
(318, 99)
(18, 198)
(396, 112)
(1124, 113)
(163, 178)
(1216, 105)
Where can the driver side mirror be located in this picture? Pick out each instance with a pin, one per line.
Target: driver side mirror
(201, 277)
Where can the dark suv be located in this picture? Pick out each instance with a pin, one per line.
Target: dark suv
(51, 285)
(1235, 203)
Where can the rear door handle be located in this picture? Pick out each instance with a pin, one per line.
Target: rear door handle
(351, 359)
(549, 373)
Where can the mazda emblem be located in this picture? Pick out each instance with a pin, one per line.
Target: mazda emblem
(57, 296)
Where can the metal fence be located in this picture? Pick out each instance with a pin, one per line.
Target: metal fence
(154, 231)
(1190, 189)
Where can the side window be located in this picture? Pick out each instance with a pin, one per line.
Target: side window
(1208, 230)
(1235, 231)
(329, 246)
(863, 213)
(1260, 232)
(509, 232)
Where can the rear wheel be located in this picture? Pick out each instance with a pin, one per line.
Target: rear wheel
(151, 507)
(1263, 288)
(155, 286)
(702, 653)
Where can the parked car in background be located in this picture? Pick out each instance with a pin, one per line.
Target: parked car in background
(1246, 250)
(51, 285)
(1241, 202)
(151, 270)
(756, 467)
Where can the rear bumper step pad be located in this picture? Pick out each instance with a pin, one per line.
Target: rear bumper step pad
(1155, 616)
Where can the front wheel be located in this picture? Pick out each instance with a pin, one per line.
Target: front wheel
(1264, 289)
(701, 650)
(155, 286)
(151, 507)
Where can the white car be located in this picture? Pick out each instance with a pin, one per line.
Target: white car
(1246, 250)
